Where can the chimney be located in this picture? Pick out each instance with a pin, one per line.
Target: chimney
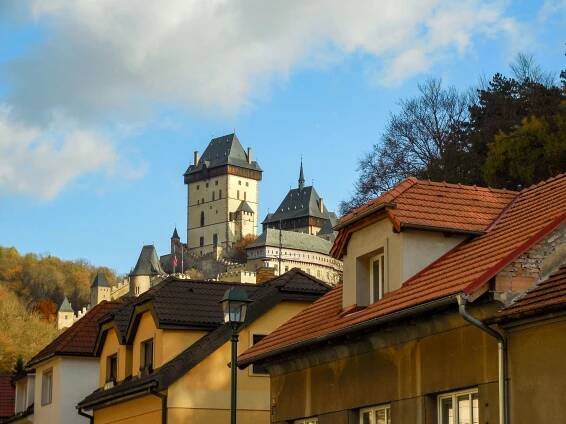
(321, 205)
(249, 155)
(196, 157)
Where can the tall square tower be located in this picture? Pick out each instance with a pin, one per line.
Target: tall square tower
(223, 195)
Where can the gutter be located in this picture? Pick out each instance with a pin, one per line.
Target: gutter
(84, 414)
(163, 398)
(113, 398)
(384, 319)
(501, 357)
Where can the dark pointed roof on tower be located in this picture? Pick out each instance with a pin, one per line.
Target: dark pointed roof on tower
(100, 280)
(301, 176)
(221, 151)
(148, 262)
(66, 306)
(175, 234)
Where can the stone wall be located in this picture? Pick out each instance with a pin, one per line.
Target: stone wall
(532, 266)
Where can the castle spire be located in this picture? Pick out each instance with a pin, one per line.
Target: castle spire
(301, 176)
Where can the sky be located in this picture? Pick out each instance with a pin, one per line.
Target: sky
(103, 103)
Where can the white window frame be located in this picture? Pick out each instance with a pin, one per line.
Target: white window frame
(374, 297)
(374, 409)
(311, 420)
(454, 397)
(47, 387)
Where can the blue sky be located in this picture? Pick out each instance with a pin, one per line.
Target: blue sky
(102, 105)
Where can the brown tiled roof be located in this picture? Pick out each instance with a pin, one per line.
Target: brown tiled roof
(431, 205)
(548, 295)
(204, 296)
(7, 396)
(468, 267)
(80, 338)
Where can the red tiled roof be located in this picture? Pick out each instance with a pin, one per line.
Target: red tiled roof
(549, 294)
(532, 214)
(80, 338)
(427, 204)
(7, 396)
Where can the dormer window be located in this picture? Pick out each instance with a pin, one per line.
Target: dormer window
(146, 356)
(377, 277)
(111, 368)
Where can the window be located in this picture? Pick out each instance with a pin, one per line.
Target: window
(377, 277)
(258, 369)
(111, 368)
(213, 194)
(459, 408)
(220, 194)
(146, 356)
(247, 184)
(206, 185)
(198, 186)
(376, 415)
(312, 420)
(216, 182)
(238, 194)
(239, 182)
(202, 219)
(245, 197)
(201, 241)
(215, 240)
(47, 387)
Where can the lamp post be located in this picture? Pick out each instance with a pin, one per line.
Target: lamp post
(234, 305)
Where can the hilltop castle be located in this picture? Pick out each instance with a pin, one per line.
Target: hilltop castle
(222, 211)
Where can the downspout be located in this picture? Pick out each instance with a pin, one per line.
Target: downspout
(84, 414)
(163, 405)
(502, 357)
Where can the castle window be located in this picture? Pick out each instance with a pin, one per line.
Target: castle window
(202, 201)
(202, 219)
(245, 197)
(198, 187)
(201, 241)
(238, 194)
(239, 182)
(247, 184)
(216, 182)
(213, 196)
(206, 185)
(220, 194)
(215, 240)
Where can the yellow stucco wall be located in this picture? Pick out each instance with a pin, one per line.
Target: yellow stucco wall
(203, 394)
(112, 346)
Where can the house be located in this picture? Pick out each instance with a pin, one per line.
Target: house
(62, 373)
(444, 315)
(7, 397)
(164, 356)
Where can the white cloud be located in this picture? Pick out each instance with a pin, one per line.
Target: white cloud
(40, 162)
(116, 61)
(107, 56)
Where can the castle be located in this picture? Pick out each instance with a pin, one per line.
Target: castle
(222, 216)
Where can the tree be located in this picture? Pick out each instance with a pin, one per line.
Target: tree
(424, 139)
(533, 151)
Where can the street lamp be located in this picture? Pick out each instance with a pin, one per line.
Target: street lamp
(234, 305)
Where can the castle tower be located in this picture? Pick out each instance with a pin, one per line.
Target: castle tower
(147, 269)
(65, 314)
(99, 289)
(175, 241)
(223, 195)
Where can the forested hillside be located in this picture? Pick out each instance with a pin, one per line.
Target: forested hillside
(31, 288)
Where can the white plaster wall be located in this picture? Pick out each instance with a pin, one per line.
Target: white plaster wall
(79, 377)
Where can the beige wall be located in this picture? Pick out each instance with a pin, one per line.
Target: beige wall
(217, 212)
(537, 375)
(112, 346)
(404, 367)
(406, 253)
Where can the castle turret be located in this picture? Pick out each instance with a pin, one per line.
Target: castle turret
(301, 176)
(65, 314)
(99, 289)
(175, 241)
(146, 270)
